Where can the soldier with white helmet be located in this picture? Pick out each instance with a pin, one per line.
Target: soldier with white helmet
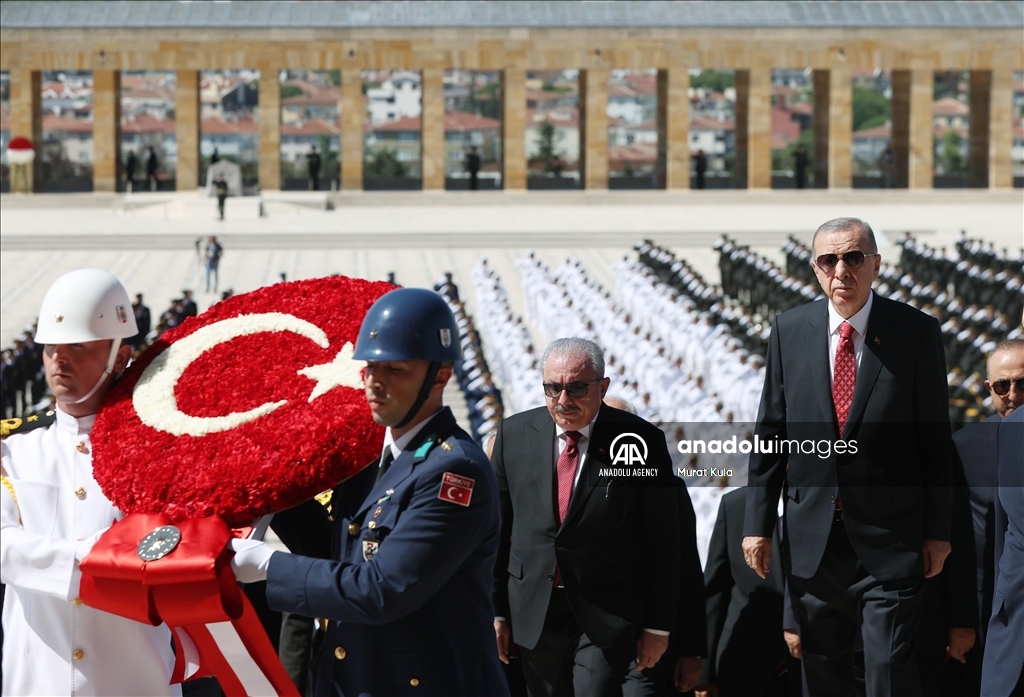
(53, 511)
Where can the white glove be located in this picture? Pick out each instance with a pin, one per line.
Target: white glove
(251, 560)
(86, 545)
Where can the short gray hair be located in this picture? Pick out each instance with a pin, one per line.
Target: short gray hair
(1002, 347)
(617, 402)
(842, 224)
(575, 346)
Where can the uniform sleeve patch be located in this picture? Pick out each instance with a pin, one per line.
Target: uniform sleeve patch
(456, 489)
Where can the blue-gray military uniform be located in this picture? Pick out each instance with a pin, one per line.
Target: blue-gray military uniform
(401, 572)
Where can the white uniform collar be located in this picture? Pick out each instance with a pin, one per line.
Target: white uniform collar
(859, 321)
(75, 426)
(397, 446)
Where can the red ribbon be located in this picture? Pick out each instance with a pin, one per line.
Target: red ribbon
(188, 589)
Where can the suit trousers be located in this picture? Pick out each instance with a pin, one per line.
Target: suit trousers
(843, 598)
(565, 663)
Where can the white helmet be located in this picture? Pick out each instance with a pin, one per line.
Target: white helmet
(85, 305)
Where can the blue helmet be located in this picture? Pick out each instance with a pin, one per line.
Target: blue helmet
(409, 324)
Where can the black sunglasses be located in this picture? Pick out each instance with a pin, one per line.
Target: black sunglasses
(852, 259)
(1002, 387)
(573, 389)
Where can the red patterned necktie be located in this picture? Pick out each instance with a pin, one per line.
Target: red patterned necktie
(568, 461)
(845, 378)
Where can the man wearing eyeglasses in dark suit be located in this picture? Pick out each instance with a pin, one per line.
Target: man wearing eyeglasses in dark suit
(865, 524)
(587, 579)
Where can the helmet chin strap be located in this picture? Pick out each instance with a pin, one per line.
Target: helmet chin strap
(114, 346)
(428, 383)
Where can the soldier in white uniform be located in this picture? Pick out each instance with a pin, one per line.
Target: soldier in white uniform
(53, 511)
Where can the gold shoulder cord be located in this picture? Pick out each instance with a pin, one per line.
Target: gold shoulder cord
(10, 487)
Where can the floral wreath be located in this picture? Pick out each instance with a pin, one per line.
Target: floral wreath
(250, 408)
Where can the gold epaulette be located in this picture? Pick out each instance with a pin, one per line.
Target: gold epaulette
(24, 425)
(10, 487)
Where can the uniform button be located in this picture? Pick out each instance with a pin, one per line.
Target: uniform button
(551, 577)
(80, 492)
(78, 654)
(76, 602)
(415, 682)
(372, 524)
(353, 528)
(340, 653)
(80, 446)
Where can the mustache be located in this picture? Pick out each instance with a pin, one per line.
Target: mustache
(559, 409)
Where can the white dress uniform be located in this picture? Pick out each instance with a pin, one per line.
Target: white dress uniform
(54, 645)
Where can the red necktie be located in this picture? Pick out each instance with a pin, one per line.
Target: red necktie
(845, 378)
(568, 461)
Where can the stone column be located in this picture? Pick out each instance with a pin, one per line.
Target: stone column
(594, 128)
(27, 121)
(513, 128)
(352, 113)
(187, 129)
(820, 127)
(1000, 130)
(979, 128)
(900, 138)
(432, 138)
(106, 130)
(270, 129)
(833, 129)
(673, 129)
(754, 127)
(920, 169)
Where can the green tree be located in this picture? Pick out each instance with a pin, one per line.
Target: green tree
(869, 108)
(384, 163)
(716, 80)
(952, 160)
(547, 148)
(288, 90)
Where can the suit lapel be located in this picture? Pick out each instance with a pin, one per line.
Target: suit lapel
(597, 452)
(818, 338)
(876, 343)
(540, 449)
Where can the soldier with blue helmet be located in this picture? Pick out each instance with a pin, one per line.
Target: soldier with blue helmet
(400, 567)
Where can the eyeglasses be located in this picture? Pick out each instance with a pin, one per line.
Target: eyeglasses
(1000, 387)
(573, 389)
(853, 259)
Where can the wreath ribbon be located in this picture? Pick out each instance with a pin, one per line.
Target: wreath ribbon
(192, 589)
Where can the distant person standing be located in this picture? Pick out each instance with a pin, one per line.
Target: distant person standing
(313, 167)
(129, 169)
(473, 167)
(142, 320)
(800, 166)
(212, 256)
(222, 193)
(215, 157)
(700, 164)
(152, 165)
(885, 163)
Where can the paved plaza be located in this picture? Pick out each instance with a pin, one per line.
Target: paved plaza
(148, 240)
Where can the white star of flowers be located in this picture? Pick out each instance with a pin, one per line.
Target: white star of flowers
(341, 372)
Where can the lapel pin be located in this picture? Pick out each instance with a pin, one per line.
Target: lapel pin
(878, 342)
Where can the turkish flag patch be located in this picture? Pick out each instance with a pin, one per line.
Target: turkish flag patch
(456, 489)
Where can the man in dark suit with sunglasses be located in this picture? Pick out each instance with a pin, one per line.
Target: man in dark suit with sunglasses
(587, 576)
(862, 379)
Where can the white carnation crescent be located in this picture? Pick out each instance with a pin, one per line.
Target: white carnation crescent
(153, 396)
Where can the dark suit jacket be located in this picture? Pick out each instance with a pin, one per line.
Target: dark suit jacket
(1004, 650)
(744, 611)
(976, 452)
(896, 487)
(618, 549)
(419, 607)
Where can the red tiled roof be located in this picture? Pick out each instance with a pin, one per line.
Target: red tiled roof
(947, 106)
(783, 125)
(453, 121)
(883, 131)
(803, 108)
(310, 128)
(699, 123)
(637, 152)
(244, 124)
(144, 123)
(563, 117)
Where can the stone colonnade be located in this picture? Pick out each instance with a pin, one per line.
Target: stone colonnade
(913, 55)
